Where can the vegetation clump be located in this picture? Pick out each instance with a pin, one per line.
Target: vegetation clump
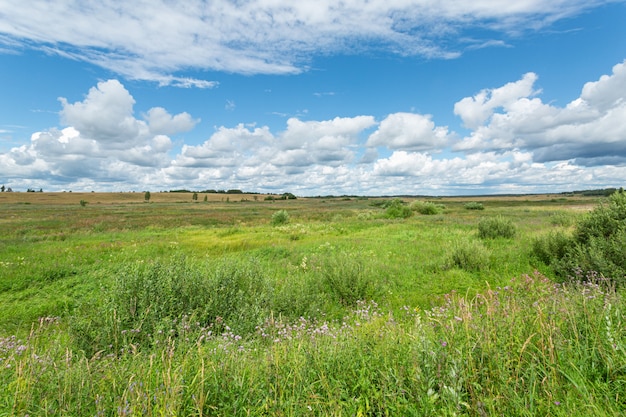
(496, 227)
(427, 207)
(280, 217)
(474, 205)
(596, 247)
(397, 209)
(470, 256)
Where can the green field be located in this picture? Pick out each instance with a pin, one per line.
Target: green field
(240, 305)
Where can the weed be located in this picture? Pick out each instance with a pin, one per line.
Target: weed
(470, 256)
(496, 227)
(473, 205)
(427, 207)
(280, 217)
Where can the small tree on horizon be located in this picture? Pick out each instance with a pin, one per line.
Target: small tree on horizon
(146, 196)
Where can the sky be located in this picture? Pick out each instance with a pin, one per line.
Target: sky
(351, 97)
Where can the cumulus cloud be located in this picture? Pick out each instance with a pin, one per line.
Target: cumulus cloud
(519, 144)
(101, 137)
(409, 131)
(474, 111)
(590, 129)
(155, 41)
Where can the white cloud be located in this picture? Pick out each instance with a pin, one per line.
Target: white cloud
(161, 122)
(154, 40)
(409, 131)
(589, 129)
(474, 111)
(523, 145)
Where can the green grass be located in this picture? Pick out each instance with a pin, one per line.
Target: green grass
(211, 309)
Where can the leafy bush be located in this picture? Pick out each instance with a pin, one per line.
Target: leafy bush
(551, 247)
(495, 227)
(597, 245)
(348, 279)
(397, 209)
(470, 256)
(427, 207)
(473, 205)
(280, 217)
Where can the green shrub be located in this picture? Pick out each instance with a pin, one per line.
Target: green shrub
(551, 247)
(597, 246)
(348, 278)
(473, 205)
(470, 256)
(495, 227)
(280, 217)
(397, 209)
(427, 207)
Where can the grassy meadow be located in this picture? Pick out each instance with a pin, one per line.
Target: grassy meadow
(239, 305)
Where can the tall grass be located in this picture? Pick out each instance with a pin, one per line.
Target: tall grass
(529, 348)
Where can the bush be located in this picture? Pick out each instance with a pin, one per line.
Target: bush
(473, 205)
(470, 256)
(348, 279)
(551, 247)
(597, 246)
(397, 209)
(427, 207)
(495, 227)
(280, 217)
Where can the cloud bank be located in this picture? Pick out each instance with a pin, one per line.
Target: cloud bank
(516, 144)
(158, 39)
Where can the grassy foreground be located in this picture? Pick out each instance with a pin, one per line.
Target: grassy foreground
(207, 308)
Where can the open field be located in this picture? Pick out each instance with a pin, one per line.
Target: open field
(223, 307)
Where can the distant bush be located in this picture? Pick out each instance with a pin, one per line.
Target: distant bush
(473, 205)
(397, 209)
(495, 227)
(561, 219)
(427, 207)
(83, 203)
(280, 217)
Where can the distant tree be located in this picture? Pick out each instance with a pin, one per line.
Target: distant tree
(41, 190)
(2, 188)
(146, 196)
(9, 190)
(206, 198)
(194, 197)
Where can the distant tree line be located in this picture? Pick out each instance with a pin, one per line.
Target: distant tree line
(10, 190)
(210, 191)
(602, 192)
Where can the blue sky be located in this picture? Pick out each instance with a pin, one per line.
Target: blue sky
(315, 98)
